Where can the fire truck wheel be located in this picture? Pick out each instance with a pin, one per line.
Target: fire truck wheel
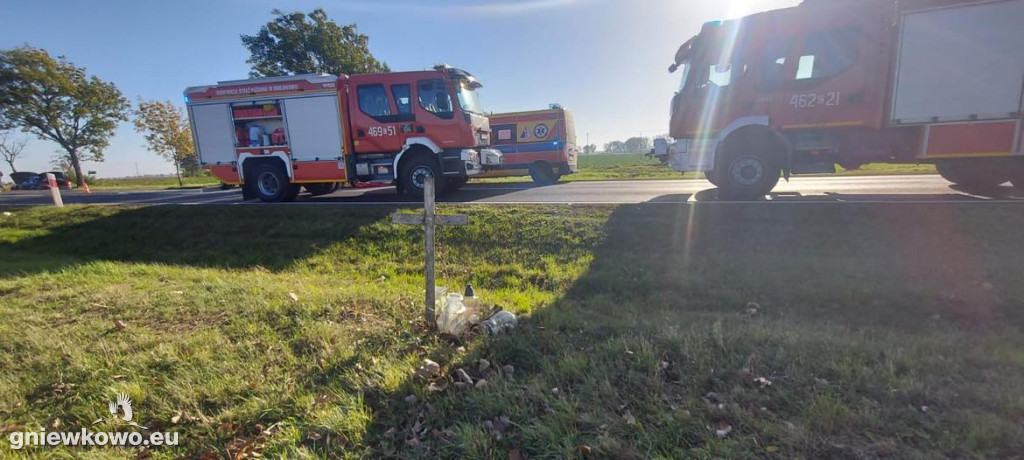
(272, 185)
(414, 174)
(747, 174)
(543, 174)
(711, 177)
(321, 188)
(974, 174)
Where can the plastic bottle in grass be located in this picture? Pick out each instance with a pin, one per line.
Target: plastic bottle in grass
(470, 299)
(499, 322)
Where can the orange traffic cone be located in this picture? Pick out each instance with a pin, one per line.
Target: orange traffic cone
(85, 185)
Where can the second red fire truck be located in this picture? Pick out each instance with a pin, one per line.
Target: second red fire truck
(275, 135)
(831, 82)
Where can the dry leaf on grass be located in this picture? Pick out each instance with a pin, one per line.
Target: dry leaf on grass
(226, 427)
(294, 297)
(244, 447)
(119, 325)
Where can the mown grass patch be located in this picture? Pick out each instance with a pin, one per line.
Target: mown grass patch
(884, 330)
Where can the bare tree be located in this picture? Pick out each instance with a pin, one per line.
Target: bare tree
(11, 149)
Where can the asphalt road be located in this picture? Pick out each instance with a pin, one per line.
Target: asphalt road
(920, 188)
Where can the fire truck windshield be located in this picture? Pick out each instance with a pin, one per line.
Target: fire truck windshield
(685, 66)
(468, 98)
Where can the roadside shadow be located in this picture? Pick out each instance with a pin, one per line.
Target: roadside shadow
(272, 237)
(713, 195)
(643, 315)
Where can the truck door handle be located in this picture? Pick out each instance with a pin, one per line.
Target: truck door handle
(360, 133)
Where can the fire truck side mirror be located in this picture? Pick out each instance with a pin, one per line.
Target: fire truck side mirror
(672, 68)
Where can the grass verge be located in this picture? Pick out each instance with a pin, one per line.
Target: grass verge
(839, 331)
(592, 167)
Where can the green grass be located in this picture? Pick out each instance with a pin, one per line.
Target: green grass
(885, 330)
(637, 166)
(149, 183)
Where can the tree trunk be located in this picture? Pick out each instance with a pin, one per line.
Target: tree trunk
(177, 172)
(11, 164)
(77, 164)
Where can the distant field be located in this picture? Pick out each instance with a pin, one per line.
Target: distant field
(647, 331)
(637, 166)
(153, 183)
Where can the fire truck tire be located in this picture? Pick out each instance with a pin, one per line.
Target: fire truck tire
(746, 174)
(321, 188)
(544, 174)
(415, 170)
(271, 183)
(975, 174)
(711, 177)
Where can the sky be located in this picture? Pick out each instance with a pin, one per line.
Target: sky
(605, 60)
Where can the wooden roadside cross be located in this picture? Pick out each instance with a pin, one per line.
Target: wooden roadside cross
(428, 220)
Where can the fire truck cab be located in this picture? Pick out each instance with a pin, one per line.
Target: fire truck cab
(275, 135)
(799, 90)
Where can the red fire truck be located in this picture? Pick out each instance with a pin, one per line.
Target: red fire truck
(539, 143)
(275, 135)
(828, 82)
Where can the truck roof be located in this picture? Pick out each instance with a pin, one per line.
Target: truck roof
(259, 86)
(290, 84)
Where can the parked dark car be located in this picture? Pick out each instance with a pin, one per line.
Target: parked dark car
(21, 176)
(38, 181)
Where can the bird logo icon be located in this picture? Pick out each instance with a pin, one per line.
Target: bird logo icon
(125, 404)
